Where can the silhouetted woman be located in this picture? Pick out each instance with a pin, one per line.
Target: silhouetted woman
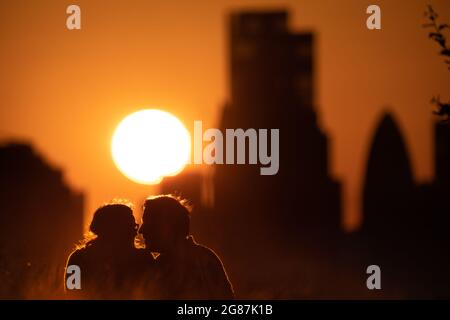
(110, 265)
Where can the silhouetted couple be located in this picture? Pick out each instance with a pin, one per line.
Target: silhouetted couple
(172, 265)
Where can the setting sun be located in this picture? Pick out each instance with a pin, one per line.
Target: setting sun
(150, 144)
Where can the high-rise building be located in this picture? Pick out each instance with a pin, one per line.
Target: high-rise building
(442, 155)
(389, 189)
(272, 87)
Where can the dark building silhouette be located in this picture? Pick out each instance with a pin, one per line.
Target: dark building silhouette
(441, 182)
(389, 189)
(272, 87)
(40, 220)
(392, 225)
(442, 158)
(405, 224)
(436, 202)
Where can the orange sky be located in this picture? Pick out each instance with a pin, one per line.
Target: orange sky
(67, 90)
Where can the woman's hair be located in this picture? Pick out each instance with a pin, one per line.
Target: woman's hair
(172, 209)
(110, 220)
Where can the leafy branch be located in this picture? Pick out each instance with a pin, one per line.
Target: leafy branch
(443, 108)
(437, 34)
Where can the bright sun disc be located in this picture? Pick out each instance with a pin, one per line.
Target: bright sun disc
(150, 144)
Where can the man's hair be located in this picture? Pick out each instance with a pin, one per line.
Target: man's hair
(172, 209)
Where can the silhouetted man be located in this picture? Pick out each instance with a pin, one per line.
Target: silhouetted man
(111, 267)
(184, 269)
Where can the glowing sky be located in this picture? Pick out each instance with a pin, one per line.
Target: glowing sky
(66, 91)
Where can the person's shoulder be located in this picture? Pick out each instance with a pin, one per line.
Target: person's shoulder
(77, 255)
(205, 252)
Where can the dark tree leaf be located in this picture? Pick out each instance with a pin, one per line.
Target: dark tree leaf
(445, 52)
(442, 44)
(435, 35)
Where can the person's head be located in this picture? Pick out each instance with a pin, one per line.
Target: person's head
(165, 222)
(114, 223)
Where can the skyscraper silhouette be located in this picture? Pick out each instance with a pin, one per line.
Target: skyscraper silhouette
(442, 158)
(389, 188)
(405, 224)
(272, 86)
(437, 203)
